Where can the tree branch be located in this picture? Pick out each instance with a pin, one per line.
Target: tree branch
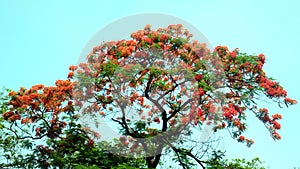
(156, 103)
(176, 150)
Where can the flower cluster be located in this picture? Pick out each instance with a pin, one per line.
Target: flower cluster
(157, 76)
(245, 78)
(41, 103)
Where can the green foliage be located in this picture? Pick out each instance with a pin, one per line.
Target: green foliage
(73, 149)
(217, 161)
(178, 42)
(243, 164)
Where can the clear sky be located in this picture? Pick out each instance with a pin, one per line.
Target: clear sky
(40, 39)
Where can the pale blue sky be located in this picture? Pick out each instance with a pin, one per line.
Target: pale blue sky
(40, 39)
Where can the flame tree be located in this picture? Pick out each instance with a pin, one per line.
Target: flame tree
(157, 87)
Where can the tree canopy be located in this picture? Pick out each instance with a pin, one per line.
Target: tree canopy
(159, 88)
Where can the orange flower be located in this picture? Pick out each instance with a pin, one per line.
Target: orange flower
(241, 138)
(263, 110)
(290, 101)
(237, 122)
(7, 115)
(26, 120)
(12, 93)
(276, 125)
(72, 68)
(276, 116)
(150, 113)
(133, 97)
(37, 87)
(15, 117)
(126, 143)
(70, 74)
(276, 135)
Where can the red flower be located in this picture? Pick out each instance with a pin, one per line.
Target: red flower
(201, 92)
(233, 54)
(164, 38)
(7, 115)
(241, 138)
(200, 114)
(37, 131)
(157, 120)
(90, 142)
(198, 77)
(262, 58)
